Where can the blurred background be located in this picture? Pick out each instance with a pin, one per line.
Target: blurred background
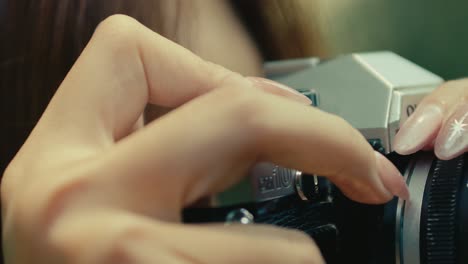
(432, 33)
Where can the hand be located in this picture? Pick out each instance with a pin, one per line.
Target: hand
(92, 185)
(439, 122)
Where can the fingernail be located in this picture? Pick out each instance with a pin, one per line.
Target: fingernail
(279, 89)
(418, 129)
(453, 139)
(391, 177)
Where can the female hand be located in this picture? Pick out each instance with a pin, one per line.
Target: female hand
(439, 122)
(91, 185)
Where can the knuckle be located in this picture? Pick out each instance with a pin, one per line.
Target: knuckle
(10, 176)
(60, 196)
(116, 242)
(31, 207)
(37, 209)
(242, 104)
(117, 24)
(63, 239)
(248, 109)
(118, 31)
(120, 247)
(113, 239)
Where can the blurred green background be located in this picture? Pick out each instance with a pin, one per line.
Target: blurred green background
(431, 33)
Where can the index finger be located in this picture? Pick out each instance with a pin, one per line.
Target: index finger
(195, 151)
(105, 97)
(124, 67)
(434, 122)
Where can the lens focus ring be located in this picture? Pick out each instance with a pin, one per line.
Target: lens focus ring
(439, 214)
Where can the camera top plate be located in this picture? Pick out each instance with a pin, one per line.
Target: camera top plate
(375, 92)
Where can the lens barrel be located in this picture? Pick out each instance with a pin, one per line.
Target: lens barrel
(443, 216)
(430, 228)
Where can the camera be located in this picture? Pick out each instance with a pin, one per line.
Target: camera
(375, 92)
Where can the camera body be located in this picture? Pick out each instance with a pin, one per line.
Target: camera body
(375, 92)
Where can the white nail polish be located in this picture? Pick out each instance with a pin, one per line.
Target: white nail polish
(453, 139)
(418, 129)
(391, 177)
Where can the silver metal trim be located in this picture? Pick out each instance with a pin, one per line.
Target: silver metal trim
(299, 187)
(298, 184)
(399, 211)
(408, 218)
(316, 183)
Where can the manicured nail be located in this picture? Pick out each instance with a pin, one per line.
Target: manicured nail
(279, 89)
(453, 139)
(391, 177)
(418, 130)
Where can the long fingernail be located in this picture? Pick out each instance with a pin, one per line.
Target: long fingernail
(279, 89)
(453, 139)
(418, 129)
(391, 177)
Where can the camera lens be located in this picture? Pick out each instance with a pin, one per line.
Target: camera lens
(430, 227)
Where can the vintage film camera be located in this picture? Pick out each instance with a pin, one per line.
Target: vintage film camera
(375, 92)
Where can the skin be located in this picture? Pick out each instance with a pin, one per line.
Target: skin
(90, 186)
(433, 123)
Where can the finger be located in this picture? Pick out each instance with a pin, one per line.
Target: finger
(124, 67)
(194, 151)
(423, 126)
(430, 146)
(154, 112)
(279, 89)
(295, 248)
(452, 140)
(292, 236)
(122, 238)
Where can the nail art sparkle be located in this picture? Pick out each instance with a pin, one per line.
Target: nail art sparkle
(458, 127)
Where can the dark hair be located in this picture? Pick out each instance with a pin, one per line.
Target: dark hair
(281, 29)
(41, 39)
